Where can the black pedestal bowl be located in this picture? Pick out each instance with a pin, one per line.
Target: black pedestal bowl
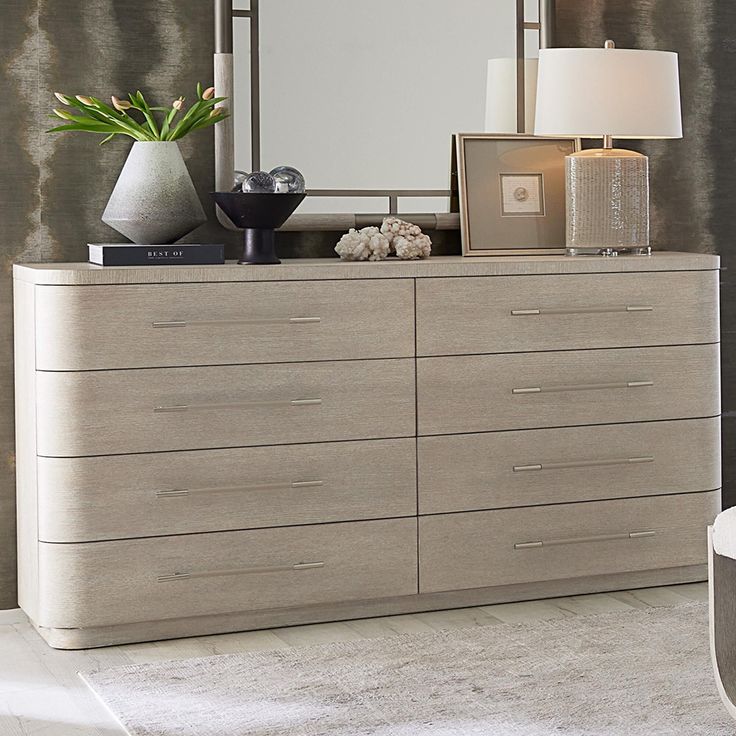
(259, 215)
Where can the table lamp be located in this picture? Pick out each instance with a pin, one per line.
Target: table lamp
(608, 93)
(501, 91)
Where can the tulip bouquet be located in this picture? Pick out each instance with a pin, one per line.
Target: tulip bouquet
(153, 124)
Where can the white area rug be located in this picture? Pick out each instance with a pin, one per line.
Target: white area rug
(643, 672)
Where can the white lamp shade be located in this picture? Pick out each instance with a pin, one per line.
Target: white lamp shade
(624, 93)
(501, 95)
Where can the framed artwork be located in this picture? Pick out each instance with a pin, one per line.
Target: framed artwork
(512, 193)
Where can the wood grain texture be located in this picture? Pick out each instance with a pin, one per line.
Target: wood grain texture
(307, 269)
(567, 465)
(113, 412)
(476, 315)
(108, 583)
(96, 498)
(475, 393)
(89, 421)
(477, 549)
(80, 328)
(25, 428)
(102, 636)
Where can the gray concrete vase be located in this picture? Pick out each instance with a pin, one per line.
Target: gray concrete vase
(154, 200)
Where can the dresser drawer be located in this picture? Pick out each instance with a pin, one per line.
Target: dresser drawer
(147, 326)
(123, 496)
(496, 470)
(114, 412)
(103, 583)
(477, 393)
(512, 314)
(487, 548)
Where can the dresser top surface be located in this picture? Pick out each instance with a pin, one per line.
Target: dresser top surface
(309, 269)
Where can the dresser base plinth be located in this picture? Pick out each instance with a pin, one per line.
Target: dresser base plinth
(102, 636)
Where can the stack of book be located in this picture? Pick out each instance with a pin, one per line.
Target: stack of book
(129, 254)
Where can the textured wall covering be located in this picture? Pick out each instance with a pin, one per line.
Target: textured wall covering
(53, 189)
(693, 181)
(19, 199)
(681, 171)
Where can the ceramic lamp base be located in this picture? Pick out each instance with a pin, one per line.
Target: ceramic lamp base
(607, 202)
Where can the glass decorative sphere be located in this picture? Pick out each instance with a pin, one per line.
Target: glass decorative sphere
(259, 182)
(289, 176)
(238, 179)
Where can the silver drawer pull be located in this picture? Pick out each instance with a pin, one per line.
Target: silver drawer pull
(581, 310)
(585, 540)
(239, 571)
(580, 387)
(528, 545)
(179, 492)
(215, 322)
(236, 405)
(173, 323)
(584, 464)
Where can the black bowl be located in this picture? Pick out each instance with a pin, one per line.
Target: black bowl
(268, 210)
(258, 215)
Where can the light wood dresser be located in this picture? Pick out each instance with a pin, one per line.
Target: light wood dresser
(209, 449)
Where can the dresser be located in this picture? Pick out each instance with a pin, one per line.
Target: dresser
(218, 448)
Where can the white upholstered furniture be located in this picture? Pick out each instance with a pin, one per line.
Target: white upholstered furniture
(722, 605)
(207, 449)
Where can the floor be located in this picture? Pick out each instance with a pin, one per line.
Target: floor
(41, 695)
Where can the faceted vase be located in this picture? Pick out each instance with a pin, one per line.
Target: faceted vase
(154, 200)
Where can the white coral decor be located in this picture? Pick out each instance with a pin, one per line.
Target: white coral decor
(406, 240)
(367, 244)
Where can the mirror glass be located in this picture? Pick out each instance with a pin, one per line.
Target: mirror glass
(366, 95)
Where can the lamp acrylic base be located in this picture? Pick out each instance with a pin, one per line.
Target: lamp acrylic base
(645, 250)
(607, 202)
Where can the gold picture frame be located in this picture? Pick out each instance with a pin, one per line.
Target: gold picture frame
(511, 190)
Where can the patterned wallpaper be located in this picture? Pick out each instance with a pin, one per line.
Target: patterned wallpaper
(54, 188)
(693, 180)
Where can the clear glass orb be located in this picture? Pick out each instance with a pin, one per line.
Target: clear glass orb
(238, 179)
(259, 182)
(291, 177)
